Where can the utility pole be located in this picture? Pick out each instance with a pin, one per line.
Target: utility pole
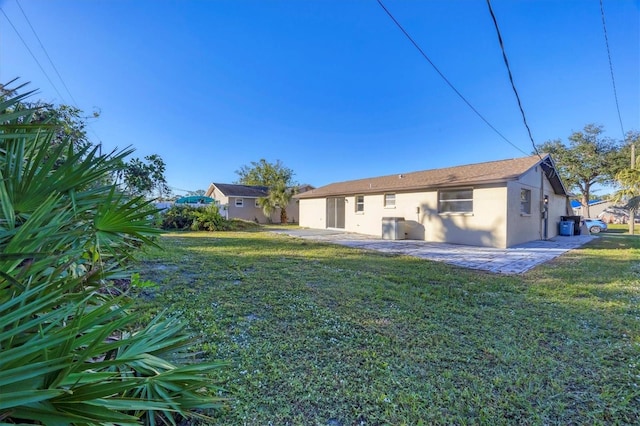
(632, 213)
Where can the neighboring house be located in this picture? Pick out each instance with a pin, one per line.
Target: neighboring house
(496, 204)
(595, 207)
(242, 202)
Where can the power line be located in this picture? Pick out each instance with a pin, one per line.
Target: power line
(513, 85)
(47, 54)
(32, 55)
(613, 81)
(75, 103)
(424, 55)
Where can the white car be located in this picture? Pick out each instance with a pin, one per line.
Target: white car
(595, 225)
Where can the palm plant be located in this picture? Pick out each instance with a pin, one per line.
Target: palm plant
(629, 192)
(72, 354)
(266, 203)
(279, 197)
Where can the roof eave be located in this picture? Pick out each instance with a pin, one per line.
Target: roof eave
(415, 188)
(550, 170)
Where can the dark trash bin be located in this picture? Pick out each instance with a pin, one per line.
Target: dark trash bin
(576, 223)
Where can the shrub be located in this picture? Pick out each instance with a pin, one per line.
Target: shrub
(70, 353)
(208, 219)
(177, 217)
(202, 218)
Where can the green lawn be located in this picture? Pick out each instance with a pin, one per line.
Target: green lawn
(319, 334)
(619, 228)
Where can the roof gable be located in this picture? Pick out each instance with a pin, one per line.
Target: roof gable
(467, 175)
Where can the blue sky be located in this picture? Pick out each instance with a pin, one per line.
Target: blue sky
(331, 88)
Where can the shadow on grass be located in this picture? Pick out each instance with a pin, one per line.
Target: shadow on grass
(612, 241)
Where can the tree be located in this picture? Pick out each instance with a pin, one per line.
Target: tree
(276, 177)
(268, 207)
(196, 193)
(138, 177)
(589, 159)
(629, 180)
(66, 122)
(263, 173)
(280, 195)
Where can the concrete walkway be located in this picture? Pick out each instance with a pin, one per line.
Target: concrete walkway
(513, 260)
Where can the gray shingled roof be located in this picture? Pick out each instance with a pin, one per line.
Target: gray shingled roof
(248, 191)
(472, 174)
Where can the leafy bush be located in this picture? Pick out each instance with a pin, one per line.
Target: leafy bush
(206, 218)
(70, 353)
(177, 217)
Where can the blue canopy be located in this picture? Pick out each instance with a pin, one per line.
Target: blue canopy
(195, 199)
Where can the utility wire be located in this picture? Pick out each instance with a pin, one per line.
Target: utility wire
(47, 54)
(75, 103)
(32, 55)
(513, 85)
(613, 80)
(424, 55)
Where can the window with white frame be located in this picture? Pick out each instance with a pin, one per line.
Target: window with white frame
(455, 201)
(239, 202)
(359, 203)
(525, 201)
(389, 200)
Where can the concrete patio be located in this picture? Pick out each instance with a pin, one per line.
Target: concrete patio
(513, 260)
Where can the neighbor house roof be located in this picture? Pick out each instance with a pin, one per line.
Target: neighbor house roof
(232, 190)
(576, 204)
(472, 174)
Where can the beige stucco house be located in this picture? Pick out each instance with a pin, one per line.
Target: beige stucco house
(495, 204)
(241, 202)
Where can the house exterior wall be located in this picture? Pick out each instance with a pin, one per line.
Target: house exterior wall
(313, 213)
(523, 227)
(219, 197)
(293, 212)
(496, 220)
(249, 211)
(486, 226)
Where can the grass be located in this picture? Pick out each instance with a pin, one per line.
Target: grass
(622, 228)
(328, 335)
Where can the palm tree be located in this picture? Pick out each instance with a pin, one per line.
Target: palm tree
(280, 196)
(629, 180)
(266, 203)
